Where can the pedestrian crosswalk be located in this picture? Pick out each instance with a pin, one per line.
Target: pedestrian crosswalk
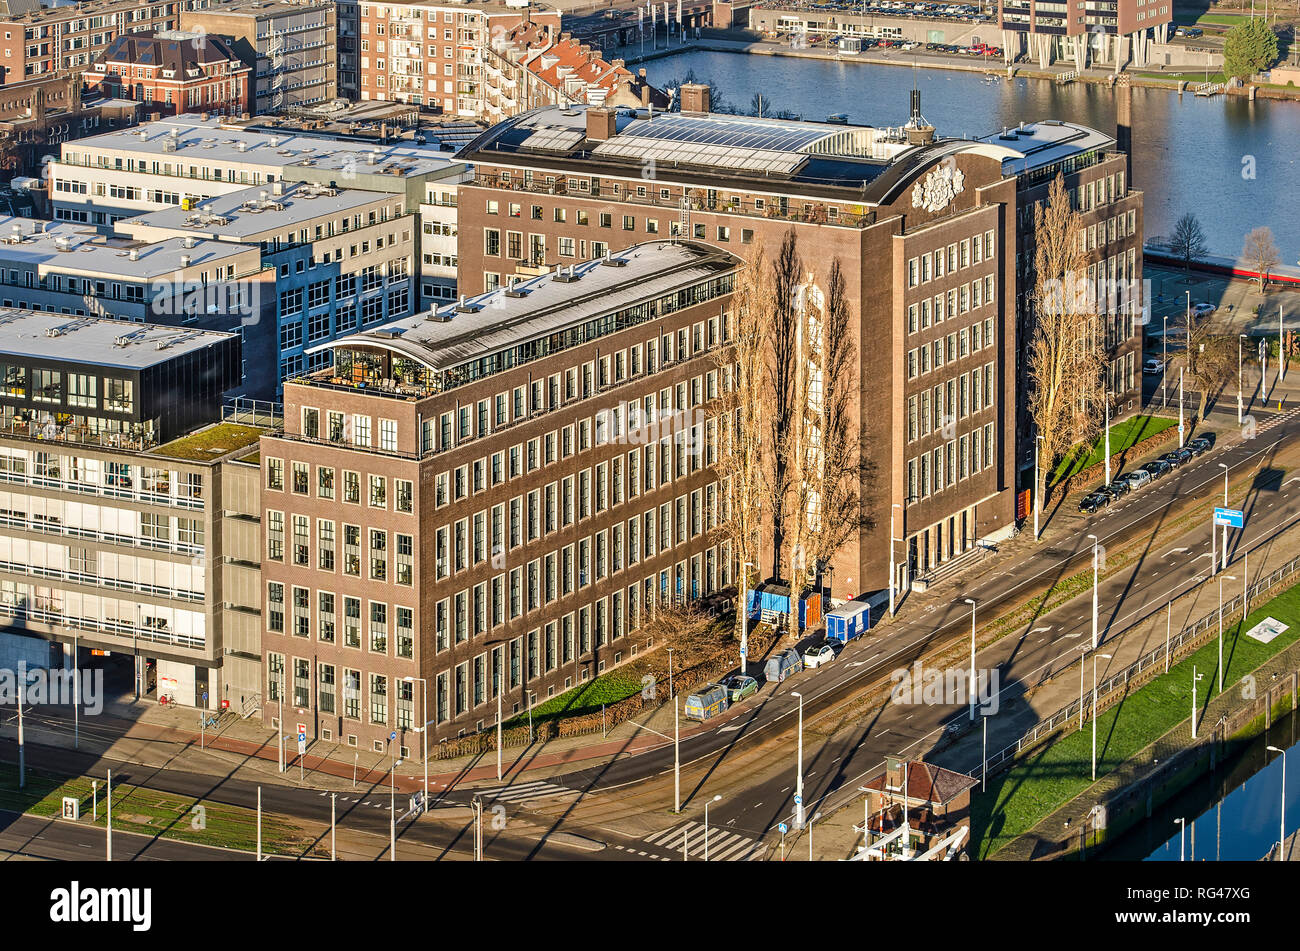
(525, 792)
(723, 844)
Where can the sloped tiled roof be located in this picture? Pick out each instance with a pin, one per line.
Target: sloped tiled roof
(168, 51)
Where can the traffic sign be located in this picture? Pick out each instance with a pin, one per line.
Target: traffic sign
(1234, 518)
(302, 743)
(392, 736)
(302, 728)
(798, 800)
(783, 828)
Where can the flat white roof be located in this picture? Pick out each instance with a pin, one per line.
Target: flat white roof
(97, 341)
(67, 248)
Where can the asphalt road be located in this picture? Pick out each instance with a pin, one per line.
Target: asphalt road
(1159, 574)
(32, 837)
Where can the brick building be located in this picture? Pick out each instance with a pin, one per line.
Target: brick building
(490, 496)
(34, 42)
(171, 71)
(933, 235)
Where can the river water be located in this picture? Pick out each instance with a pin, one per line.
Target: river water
(1233, 163)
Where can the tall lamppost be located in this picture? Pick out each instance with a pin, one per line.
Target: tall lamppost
(392, 809)
(1037, 441)
(1222, 578)
(1094, 590)
(1182, 848)
(744, 623)
(893, 569)
(1164, 361)
(798, 787)
(970, 688)
(1240, 338)
(424, 730)
(1106, 400)
(1224, 467)
(1196, 678)
(1094, 713)
(1281, 842)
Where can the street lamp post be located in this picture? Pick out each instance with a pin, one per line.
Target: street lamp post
(1281, 842)
(1223, 578)
(706, 826)
(893, 568)
(677, 759)
(811, 822)
(1180, 408)
(1164, 361)
(1094, 713)
(1083, 661)
(76, 694)
(1224, 467)
(744, 619)
(970, 688)
(1106, 400)
(1094, 590)
(1037, 441)
(424, 709)
(1240, 338)
(1196, 677)
(1182, 847)
(798, 788)
(392, 810)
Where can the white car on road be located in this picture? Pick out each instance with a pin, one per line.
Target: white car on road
(820, 653)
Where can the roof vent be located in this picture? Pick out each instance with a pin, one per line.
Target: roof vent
(612, 261)
(516, 291)
(438, 317)
(135, 254)
(465, 308)
(242, 146)
(391, 333)
(189, 241)
(566, 277)
(185, 260)
(275, 141)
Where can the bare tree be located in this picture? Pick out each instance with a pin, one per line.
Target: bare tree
(692, 633)
(742, 466)
(1188, 240)
(1065, 362)
(837, 474)
(1262, 253)
(783, 335)
(1211, 359)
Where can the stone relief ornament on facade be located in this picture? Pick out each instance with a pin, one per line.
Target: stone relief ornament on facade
(936, 191)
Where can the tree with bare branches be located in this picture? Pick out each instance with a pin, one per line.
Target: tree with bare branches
(742, 467)
(1262, 253)
(837, 471)
(783, 370)
(1065, 360)
(1211, 359)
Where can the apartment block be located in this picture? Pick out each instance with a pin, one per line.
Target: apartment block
(485, 500)
(289, 44)
(432, 53)
(65, 38)
(340, 258)
(193, 283)
(1119, 32)
(127, 528)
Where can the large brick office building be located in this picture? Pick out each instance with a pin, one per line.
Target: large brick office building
(490, 495)
(935, 238)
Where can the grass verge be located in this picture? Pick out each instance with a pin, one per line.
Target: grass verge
(1123, 435)
(171, 816)
(1029, 792)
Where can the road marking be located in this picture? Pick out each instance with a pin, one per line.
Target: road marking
(1040, 629)
(1175, 551)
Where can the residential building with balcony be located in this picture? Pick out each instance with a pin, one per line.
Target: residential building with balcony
(931, 235)
(432, 53)
(489, 498)
(67, 38)
(127, 527)
(290, 45)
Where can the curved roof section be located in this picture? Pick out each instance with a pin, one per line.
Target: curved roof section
(448, 336)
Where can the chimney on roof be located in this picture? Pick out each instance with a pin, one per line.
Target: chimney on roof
(600, 124)
(641, 72)
(645, 91)
(695, 97)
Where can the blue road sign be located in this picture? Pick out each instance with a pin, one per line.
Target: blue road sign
(798, 800)
(783, 827)
(393, 735)
(1234, 518)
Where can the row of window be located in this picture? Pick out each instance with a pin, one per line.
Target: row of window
(942, 405)
(375, 557)
(965, 253)
(953, 303)
(954, 346)
(932, 472)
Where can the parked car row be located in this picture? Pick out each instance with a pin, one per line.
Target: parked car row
(1145, 475)
(714, 698)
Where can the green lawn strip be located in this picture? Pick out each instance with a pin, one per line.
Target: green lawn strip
(137, 809)
(1221, 19)
(1052, 776)
(606, 690)
(1123, 435)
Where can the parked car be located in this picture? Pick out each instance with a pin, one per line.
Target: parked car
(819, 654)
(1153, 365)
(1120, 487)
(708, 701)
(1177, 457)
(1137, 478)
(783, 665)
(1093, 501)
(1112, 492)
(1203, 308)
(1157, 468)
(740, 686)
(1200, 445)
